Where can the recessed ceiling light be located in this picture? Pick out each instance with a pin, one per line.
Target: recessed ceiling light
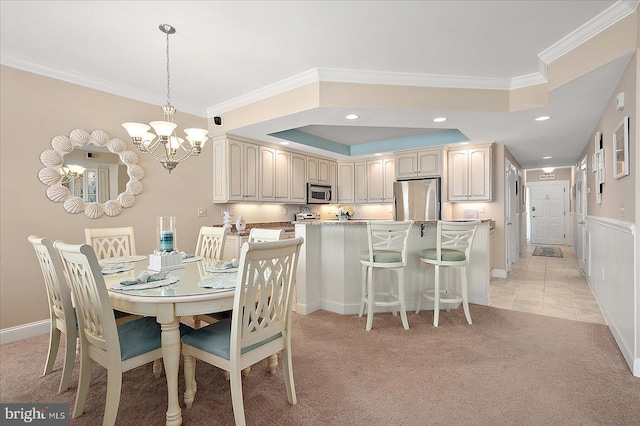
(284, 143)
(546, 158)
(543, 118)
(377, 154)
(439, 119)
(548, 169)
(464, 143)
(352, 117)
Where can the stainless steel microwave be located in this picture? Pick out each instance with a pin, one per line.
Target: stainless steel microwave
(318, 194)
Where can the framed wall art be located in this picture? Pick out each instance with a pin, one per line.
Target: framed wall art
(621, 149)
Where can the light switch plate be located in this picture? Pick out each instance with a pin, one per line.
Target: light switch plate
(620, 101)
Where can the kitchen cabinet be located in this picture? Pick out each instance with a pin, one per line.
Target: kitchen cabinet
(346, 188)
(298, 178)
(381, 175)
(361, 182)
(275, 175)
(470, 173)
(233, 244)
(333, 180)
(318, 170)
(416, 164)
(235, 170)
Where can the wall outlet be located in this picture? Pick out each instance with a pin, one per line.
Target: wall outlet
(602, 273)
(285, 211)
(202, 212)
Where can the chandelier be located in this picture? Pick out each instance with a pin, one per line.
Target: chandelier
(71, 172)
(166, 147)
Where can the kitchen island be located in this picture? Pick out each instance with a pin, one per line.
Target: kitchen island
(329, 271)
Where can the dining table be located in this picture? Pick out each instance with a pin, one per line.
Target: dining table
(184, 297)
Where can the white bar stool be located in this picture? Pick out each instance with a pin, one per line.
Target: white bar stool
(387, 249)
(453, 247)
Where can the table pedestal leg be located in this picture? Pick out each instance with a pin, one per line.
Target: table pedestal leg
(171, 358)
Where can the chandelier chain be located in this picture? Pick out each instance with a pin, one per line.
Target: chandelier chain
(168, 74)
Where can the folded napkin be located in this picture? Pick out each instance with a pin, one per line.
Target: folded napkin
(223, 266)
(115, 269)
(145, 277)
(221, 282)
(145, 285)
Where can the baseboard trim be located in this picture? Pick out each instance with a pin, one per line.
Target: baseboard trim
(636, 367)
(24, 331)
(499, 273)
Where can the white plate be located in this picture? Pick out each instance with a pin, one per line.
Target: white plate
(122, 259)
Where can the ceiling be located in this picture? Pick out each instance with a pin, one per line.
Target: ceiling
(227, 53)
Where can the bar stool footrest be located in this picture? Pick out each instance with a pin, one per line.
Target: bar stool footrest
(446, 296)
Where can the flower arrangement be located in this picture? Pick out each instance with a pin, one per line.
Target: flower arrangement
(344, 213)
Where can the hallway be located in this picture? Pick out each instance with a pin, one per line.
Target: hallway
(549, 286)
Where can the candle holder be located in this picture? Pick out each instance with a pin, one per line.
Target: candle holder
(166, 231)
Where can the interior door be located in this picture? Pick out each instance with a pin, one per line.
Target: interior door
(548, 200)
(509, 185)
(581, 215)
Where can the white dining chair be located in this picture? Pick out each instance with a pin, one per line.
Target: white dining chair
(260, 325)
(211, 241)
(257, 235)
(386, 250)
(111, 242)
(452, 251)
(210, 245)
(118, 348)
(62, 318)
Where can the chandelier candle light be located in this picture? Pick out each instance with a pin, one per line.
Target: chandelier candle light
(166, 147)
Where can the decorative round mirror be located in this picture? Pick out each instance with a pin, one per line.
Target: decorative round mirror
(81, 175)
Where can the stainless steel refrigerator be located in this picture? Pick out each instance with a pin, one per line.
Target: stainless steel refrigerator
(417, 199)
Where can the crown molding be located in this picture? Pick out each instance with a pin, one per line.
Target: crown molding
(282, 86)
(615, 13)
(527, 80)
(93, 83)
(413, 79)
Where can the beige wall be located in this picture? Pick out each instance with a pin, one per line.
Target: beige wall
(617, 194)
(35, 109)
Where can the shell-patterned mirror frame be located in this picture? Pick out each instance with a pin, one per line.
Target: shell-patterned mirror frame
(53, 159)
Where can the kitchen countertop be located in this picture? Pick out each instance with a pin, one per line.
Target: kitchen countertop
(287, 226)
(491, 223)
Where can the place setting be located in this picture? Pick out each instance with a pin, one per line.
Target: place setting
(146, 280)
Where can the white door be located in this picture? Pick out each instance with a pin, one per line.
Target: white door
(581, 215)
(548, 207)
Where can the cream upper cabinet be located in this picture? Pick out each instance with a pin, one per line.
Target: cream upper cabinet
(333, 180)
(312, 169)
(235, 170)
(381, 175)
(423, 163)
(267, 180)
(470, 173)
(361, 182)
(298, 179)
(275, 175)
(346, 188)
(318, 171)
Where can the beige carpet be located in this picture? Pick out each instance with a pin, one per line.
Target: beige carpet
(508, 368)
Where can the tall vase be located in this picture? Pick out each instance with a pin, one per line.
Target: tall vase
(241, 225)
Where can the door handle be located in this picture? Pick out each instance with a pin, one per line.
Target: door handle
(509, 223)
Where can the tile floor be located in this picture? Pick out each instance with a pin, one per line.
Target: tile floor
(547, 286)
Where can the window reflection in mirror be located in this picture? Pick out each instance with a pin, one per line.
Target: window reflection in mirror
(104, 177)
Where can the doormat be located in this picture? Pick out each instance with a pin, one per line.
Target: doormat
(547, 251)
